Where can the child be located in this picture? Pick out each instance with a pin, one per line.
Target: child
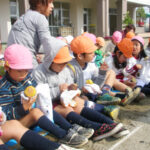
(128, 28)
(18, 62)
(57, 75)
(118, 62)
(139, 65)
(85, 70)
(148, 48)
(116, 38)
(32, 30)
(99, 54)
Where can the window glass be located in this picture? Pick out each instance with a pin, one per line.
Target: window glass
(60, 17)
(14, 12)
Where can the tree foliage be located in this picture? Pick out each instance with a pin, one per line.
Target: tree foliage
(127, 19)
(140, 13)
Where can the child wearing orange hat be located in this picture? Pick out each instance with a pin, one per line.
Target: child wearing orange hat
(85, 70)
(57, 75)
(130, 35)
(99, 54)
(118, 62)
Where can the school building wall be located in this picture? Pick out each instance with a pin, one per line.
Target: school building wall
(5, 24)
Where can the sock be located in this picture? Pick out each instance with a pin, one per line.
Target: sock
(4, 147)
(49, 126)
(31, 140)
(93, 115)
(75, 118)
(105, 89)
(61, 121)
(122, 96)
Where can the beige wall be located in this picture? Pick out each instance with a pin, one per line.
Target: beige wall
(5, 23)
(112, 4)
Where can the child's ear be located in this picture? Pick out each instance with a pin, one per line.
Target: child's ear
(6, 67)
(80, 56)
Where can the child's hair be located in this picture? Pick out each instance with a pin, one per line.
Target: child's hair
(75, 55)
(142, 53)
(33, 3)
(129, 27)
(116, 62)
(148, 43)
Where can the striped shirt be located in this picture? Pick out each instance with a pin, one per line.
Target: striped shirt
(10, 90)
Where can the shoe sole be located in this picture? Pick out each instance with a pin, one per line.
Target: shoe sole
(77, 145)
(123, 133)
(133, 96)
(114, 114)
(112, 132)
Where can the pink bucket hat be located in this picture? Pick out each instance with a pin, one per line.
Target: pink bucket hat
(18, 57)
(91, 36)
(117, 36)
(138, 38)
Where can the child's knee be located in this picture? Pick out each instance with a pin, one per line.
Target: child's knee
(64, 111)
(36, 113)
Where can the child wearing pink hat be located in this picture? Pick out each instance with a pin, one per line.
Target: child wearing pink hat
(18, 62)
(116, 38)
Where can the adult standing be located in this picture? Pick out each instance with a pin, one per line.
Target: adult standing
(32, 30)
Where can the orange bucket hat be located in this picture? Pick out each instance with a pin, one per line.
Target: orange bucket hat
(126, 47)
(130, 35)
(63, 56)
(100, 41)
(82, 44)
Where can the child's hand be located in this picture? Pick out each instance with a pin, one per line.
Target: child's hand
(139, 66)
(63, 87)
(27, 104)
(130, 83)
(1, 117)
(104, 66)
(84, 90)
(73, 87)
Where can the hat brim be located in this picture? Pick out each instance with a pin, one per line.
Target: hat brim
(65, 60)
(23, 67)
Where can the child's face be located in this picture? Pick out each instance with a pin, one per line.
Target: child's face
(47, 10)
(88, 57)
(57, 67)
(136, 48)
(17, 75)
(121, 58)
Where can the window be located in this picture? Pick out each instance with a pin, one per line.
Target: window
(14, 12)
(87, 22)
(60, 17)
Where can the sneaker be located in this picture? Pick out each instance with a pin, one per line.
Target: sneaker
(65, 147)
(86, 132)
(107, 130)
(112, 111)
(108, 100)
(131, 96)
(122, 132)
(73, 139)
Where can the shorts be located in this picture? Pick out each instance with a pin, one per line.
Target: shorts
(14, 112)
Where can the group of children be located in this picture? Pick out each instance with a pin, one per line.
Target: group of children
(73, 83)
